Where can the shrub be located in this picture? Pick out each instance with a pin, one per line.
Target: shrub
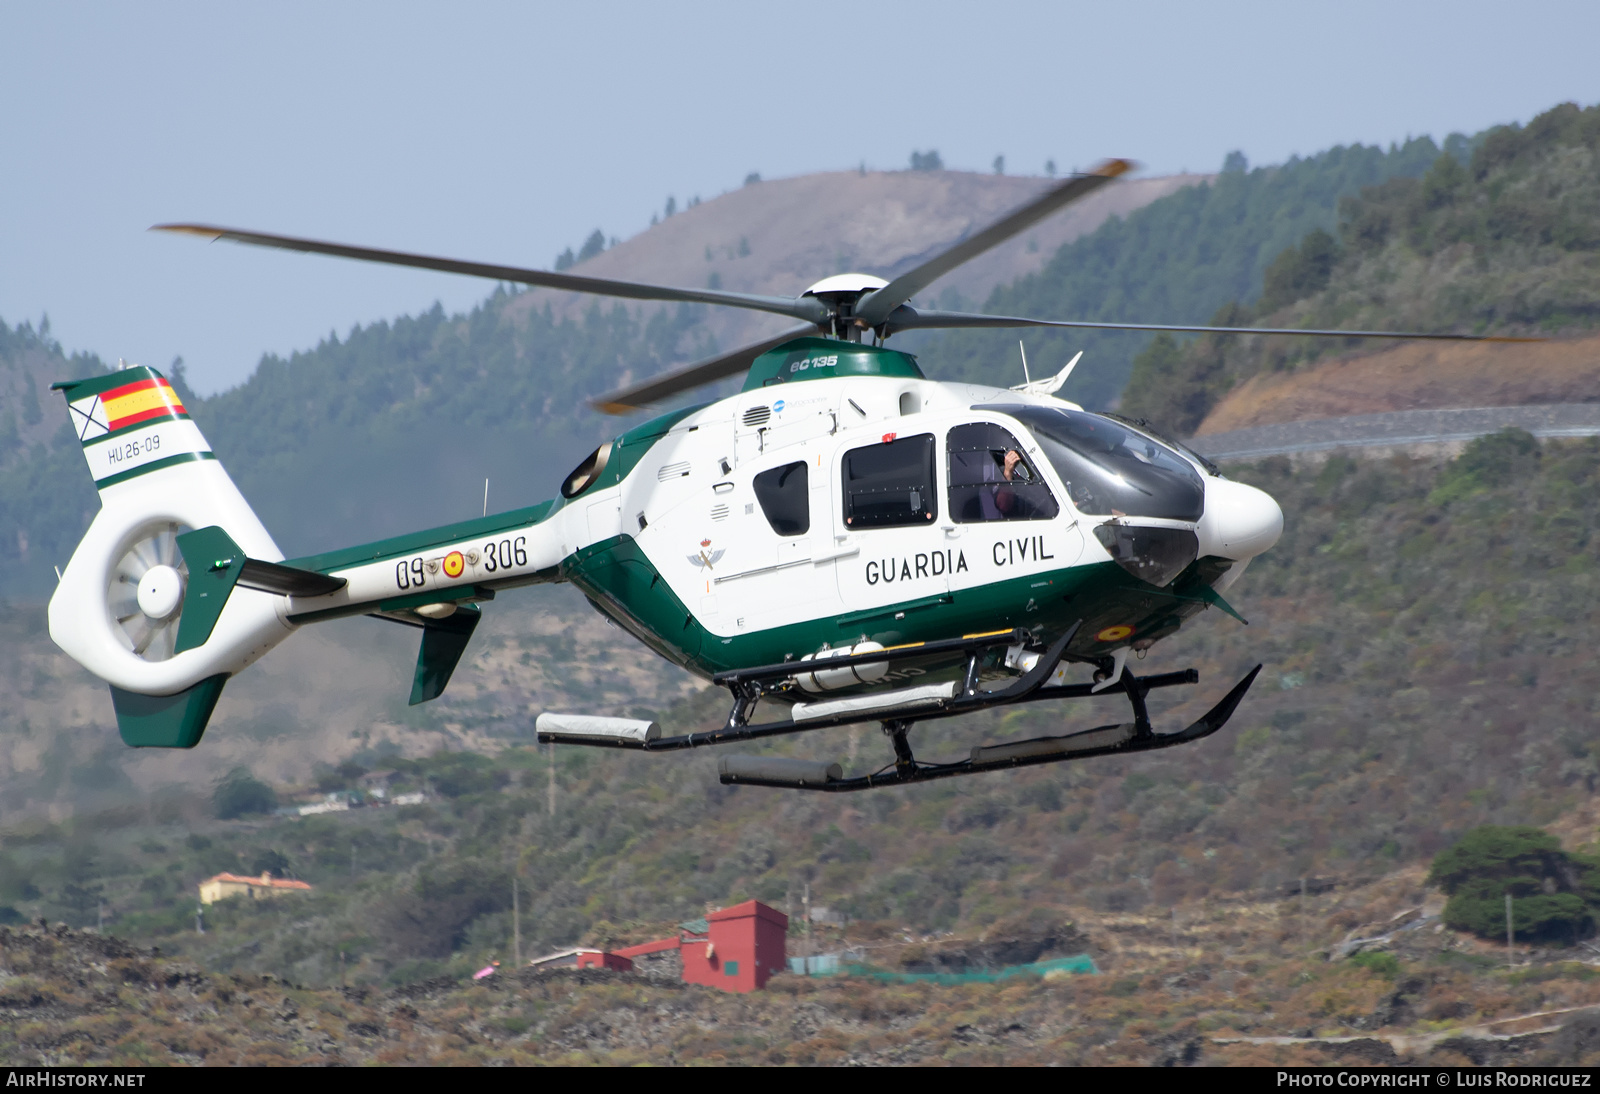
(1492, 861)
(1493, 460)
(1386, 965)
(456, 774)
(240, 794)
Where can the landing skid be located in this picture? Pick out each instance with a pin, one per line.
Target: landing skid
(898, 711)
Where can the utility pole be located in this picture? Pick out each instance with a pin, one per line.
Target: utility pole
(1511, 957)
(199, 919)
(516, 924)
(352, 860)
(1302, 913)
(552, 800)
(100, 916)
(805, 903)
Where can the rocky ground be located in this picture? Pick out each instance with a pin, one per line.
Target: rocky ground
(1213, 985)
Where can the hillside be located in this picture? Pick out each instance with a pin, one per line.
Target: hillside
(780, 235)
(1174, 261)
(1424, 627)
(1506, 243)
(1415, 376)
(1412, 691)
(360, 437)
(396, 425)
(1211, 992)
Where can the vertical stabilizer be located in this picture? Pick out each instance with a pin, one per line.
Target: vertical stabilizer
(120, 607)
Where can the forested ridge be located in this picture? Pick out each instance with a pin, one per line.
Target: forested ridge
(1505, 242)
(391, 428)
(1175, 261)
(397, 424)
(1424, 627)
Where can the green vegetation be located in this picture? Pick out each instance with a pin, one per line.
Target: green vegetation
(594, 245)
(1386, 965)
(1506, 240)
(419, 411)
(240, 793)
(1176, 260)
(1551, 890)
(1427, 673)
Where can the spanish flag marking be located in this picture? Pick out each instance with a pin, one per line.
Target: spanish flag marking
(140, 401)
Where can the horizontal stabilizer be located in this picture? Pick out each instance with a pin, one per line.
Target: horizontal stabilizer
(273, 577)
(590, 729)
(777, 771)
(216, 564)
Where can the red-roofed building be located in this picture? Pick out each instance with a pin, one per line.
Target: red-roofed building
(264, 887)
(739, 950)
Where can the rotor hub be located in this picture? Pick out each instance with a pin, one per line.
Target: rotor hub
(841, 293)
(160, 592)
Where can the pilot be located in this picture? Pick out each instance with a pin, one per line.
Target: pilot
(1005, 500)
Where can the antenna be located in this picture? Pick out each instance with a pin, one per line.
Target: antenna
(485, 497)
(1025, 377)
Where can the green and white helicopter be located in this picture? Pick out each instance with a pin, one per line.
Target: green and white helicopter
(844, 540)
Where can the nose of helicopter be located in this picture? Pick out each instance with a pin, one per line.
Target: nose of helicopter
(1239, 522)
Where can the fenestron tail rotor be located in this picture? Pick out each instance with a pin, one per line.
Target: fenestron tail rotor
(146, 589)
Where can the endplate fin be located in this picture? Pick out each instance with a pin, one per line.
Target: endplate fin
(216, 565)
(166, 721)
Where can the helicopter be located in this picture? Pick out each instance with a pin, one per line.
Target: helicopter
(843, 541)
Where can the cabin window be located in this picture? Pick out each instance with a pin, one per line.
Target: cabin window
(784, 500)
(991, 477)
(890, 484)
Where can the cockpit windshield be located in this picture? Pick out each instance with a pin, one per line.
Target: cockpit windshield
(1110, 470)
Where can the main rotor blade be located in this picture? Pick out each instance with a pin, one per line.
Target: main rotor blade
(703, 372)
(798, 307)
(874, 309)
(904, 318)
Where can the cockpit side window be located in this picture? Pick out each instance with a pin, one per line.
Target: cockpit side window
(890, 484)
(1108, 469)
(784, 500)
(992, 479)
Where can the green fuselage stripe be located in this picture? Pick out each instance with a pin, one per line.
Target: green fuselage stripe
(621, 581)
(153, 465)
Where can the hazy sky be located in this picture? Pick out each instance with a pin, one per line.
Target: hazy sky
(509, 131)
